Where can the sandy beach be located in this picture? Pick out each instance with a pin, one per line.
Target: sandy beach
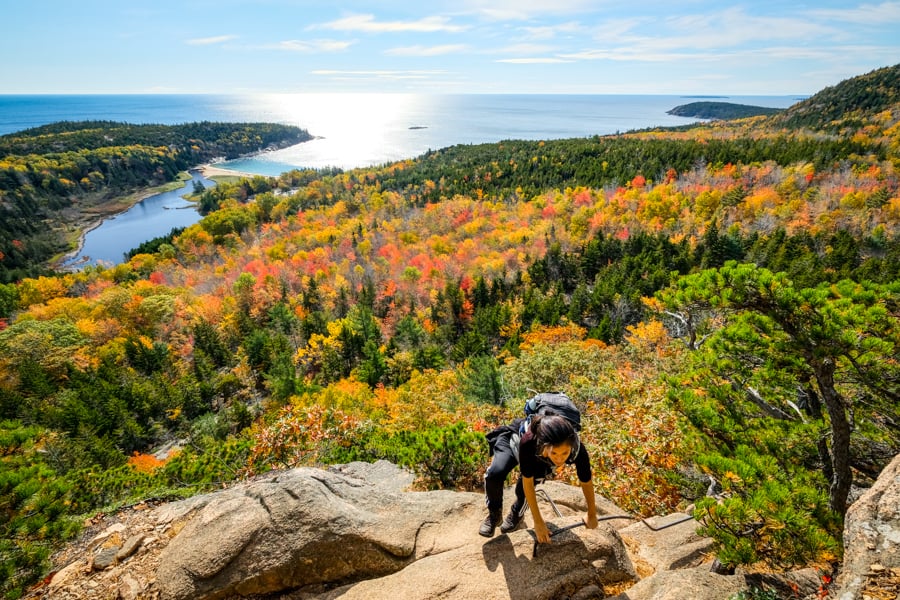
(209, 171)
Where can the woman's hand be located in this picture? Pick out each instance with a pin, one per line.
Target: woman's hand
(540, 528)
(542, 533)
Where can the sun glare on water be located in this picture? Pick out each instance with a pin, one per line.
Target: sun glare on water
(350, 129)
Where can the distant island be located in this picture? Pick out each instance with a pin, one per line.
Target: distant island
(721, 110)
(418, 127)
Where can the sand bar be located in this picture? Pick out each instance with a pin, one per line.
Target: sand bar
(209, 171)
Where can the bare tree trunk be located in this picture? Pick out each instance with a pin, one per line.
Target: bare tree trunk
(840, 437)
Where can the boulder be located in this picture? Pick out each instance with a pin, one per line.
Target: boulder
(872, 538)
(130, 546)
(506, 566)
(697, 583)
(64, 576)
(355, 531)
(676, 563)
(570, 498)
(676, 544)
(129, 589)
(304, 527)
(105, 558)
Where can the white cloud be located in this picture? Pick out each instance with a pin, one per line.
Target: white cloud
(865, 14)
(833, 54)
(707, 38)
(612, 30)
(533, 61)
(634, 54)
(427, 50)
(520, 10)
(734, 27)
(547, 32)
(376, 74)
(368, 24)
(208, 41)
(311, 46)
(526, 48)
(788, 52)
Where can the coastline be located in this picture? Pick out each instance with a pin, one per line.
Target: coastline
(60, 264)
(94, 219)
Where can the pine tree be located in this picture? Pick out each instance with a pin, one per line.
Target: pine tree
(781, 353)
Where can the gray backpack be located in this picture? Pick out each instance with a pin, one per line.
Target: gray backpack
(554, 403)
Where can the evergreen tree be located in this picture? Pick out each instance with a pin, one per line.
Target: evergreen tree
(837, 344)
(481, 381)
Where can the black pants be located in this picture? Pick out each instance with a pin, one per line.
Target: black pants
(503, 462)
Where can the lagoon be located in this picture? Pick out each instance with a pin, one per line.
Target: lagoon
(150, 218)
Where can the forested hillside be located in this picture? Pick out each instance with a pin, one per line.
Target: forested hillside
(723, 303)
(54, 175)
(847, 106)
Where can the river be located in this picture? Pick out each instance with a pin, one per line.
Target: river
(152, 217)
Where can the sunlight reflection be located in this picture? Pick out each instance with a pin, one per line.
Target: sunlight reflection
(351, 129)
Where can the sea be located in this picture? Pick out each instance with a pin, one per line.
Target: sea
(363, 130)
(351, 131)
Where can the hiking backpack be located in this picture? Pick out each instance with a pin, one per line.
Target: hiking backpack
(554, 403)
(549, 403)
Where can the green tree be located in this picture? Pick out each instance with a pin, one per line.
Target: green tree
(443, 457)
(9, 299)
(34, 503)
(822, 360)
(39, 351)
(480, 380)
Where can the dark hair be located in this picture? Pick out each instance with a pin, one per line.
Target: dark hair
(553, 430)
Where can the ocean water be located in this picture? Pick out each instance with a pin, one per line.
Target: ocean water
(359, 130)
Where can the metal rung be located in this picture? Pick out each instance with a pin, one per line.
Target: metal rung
(550, 500)
(547, 497)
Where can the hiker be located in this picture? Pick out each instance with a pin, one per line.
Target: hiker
(539, 445)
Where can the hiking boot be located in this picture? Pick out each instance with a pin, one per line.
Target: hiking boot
(513, 519)
(489, 524)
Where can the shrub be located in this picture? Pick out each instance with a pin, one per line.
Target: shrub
(442, 457)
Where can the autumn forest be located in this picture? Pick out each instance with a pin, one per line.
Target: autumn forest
(721, 300)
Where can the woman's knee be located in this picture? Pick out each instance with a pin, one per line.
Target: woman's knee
(501, 466)
(497, 472)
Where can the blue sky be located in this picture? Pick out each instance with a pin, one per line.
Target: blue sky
(437, 46)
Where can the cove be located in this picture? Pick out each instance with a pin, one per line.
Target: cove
(150, 218)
